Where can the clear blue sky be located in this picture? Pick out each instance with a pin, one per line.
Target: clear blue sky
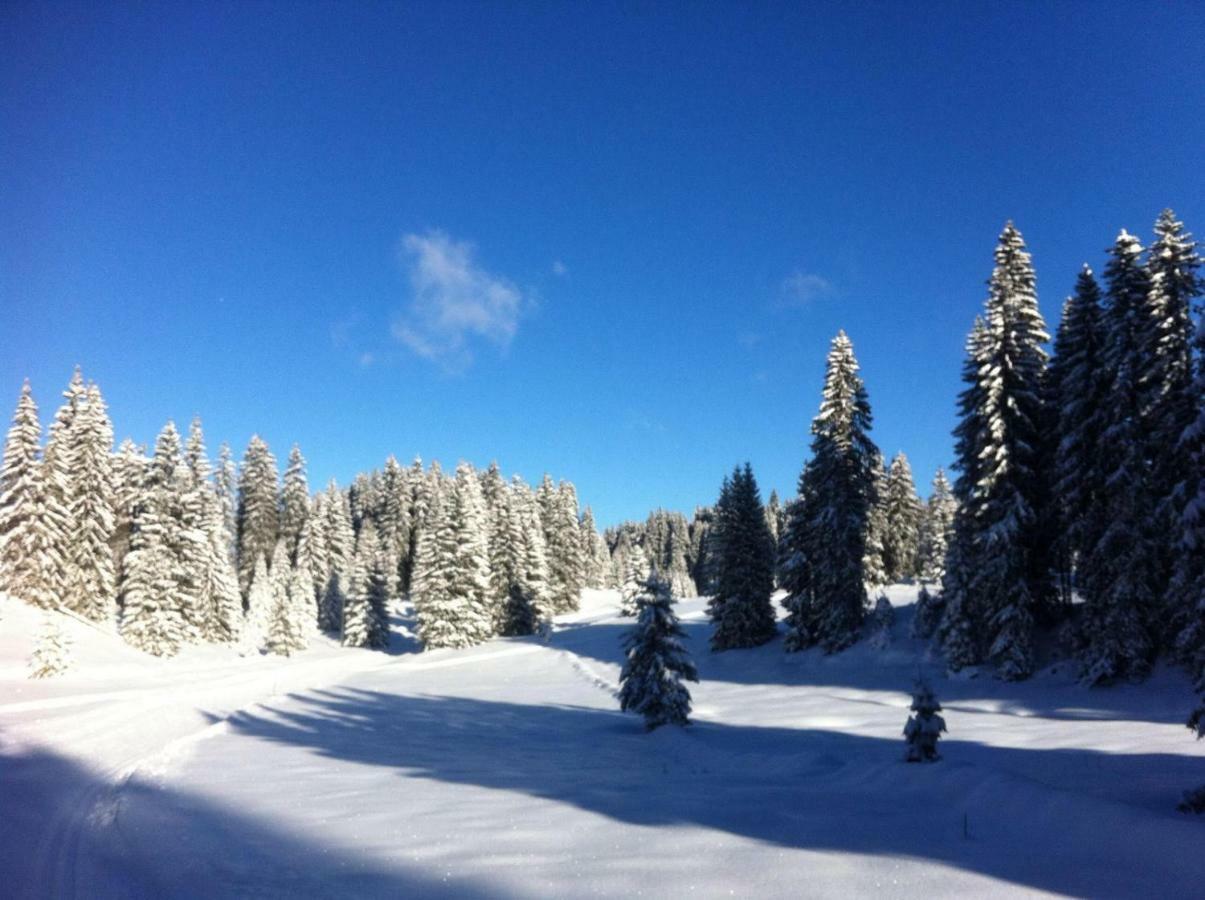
(611, 241)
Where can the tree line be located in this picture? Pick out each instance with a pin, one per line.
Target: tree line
(179, 549)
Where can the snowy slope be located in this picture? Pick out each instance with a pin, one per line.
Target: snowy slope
(507, 770)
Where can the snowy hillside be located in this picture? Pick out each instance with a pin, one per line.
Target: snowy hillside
(506, 769)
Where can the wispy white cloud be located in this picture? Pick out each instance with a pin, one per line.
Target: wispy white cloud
(454, 301)
(804, 288)
(559, 268)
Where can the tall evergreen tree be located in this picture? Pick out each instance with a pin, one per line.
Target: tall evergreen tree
(1079, 390)
(740, 609)
(366, 615)
(225, 481)
(294, 502)
(901, 541)
(1187, 592)
(92, 582)
(937, 527)
(1009, 582)
(258, 508)
(129, 467)
(1121, 570)
(656, 662)
(59, 479)
(30, 517)
(528, 604)
(562, 539)
(598, 561)
(313, 557)
(825, 542)
(394, 523)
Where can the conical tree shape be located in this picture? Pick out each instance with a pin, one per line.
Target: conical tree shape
(656, 661)
(740, 609)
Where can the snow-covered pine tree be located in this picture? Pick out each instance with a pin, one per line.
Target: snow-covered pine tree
(469, 575)
(294, 502)
(635, 576)
(1078, 387)
(1120, 572)
(366, 614)
(331, 603)
(30, 517)
(1009, 581)
(563, 545)
(937, 527)
(340, 536)
(881, 622)
(923, 729)
(225, 482)
(258, 508)
(774, 516)
(656, 661)
(286, 628)
(677, 570)
(961, 622)
(91, 579)
(438, 610)
(419, 498)
(740, 609)
(129, 467)
(312, 551)
(901, 539)
(874, 566)
(701, 568)
(504, 542)
(927, 614)
(59, 480)
(394, 523)
(825, 542)
(52, 653)
(1186, 600)
(598, 561)
(1165, 382)
(529, 604)
(159, 595)
(260, 606)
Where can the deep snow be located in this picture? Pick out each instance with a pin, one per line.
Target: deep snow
(507, 769)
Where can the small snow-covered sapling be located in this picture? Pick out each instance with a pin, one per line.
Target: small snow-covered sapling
(925, 727)
(657, 662)
(1194, 801)
(52, 653)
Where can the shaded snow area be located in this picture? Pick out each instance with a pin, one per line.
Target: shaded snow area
(507, 770)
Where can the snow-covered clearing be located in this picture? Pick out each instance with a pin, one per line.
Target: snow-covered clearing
(507, 770)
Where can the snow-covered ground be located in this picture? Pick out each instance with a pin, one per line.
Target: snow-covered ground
(507, 770)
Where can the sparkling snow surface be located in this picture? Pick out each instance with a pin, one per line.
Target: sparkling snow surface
(507, 770)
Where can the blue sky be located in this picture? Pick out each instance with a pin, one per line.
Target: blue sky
(610, 241)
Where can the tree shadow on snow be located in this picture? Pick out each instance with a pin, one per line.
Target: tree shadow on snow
(64, 832)
(1071, 821)
(1055, 696)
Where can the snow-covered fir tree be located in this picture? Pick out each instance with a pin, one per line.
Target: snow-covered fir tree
(451, 575)
(312, 551)
(874, 566)
(164, 602)
(225, 482)
(740, 609)
(563, 543)
(925, 726)
(656, 661)
(1120, 573)
(636, 573)
(598, 560)
(961, 616)
(393, 523)
(331, 603)
(294, 502)
(927, 613)
(340, 536)
(528, 605)
(31, 517)
(260, 605)
(1187, 590)
(881, 621)
(503, 540)
(937, 527)
(258, 508)
(701, 567)
(1007, 502)
(91, 575)
(52, 652)
(1078, 387)
(825, 542)
(366, 613)
(59, 481)
(286, 632)
(1165, 382)
(903, 511)
(129, 467)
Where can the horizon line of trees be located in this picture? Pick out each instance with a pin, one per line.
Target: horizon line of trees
(179, 550)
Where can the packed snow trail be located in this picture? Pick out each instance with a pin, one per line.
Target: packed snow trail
(506, 769)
